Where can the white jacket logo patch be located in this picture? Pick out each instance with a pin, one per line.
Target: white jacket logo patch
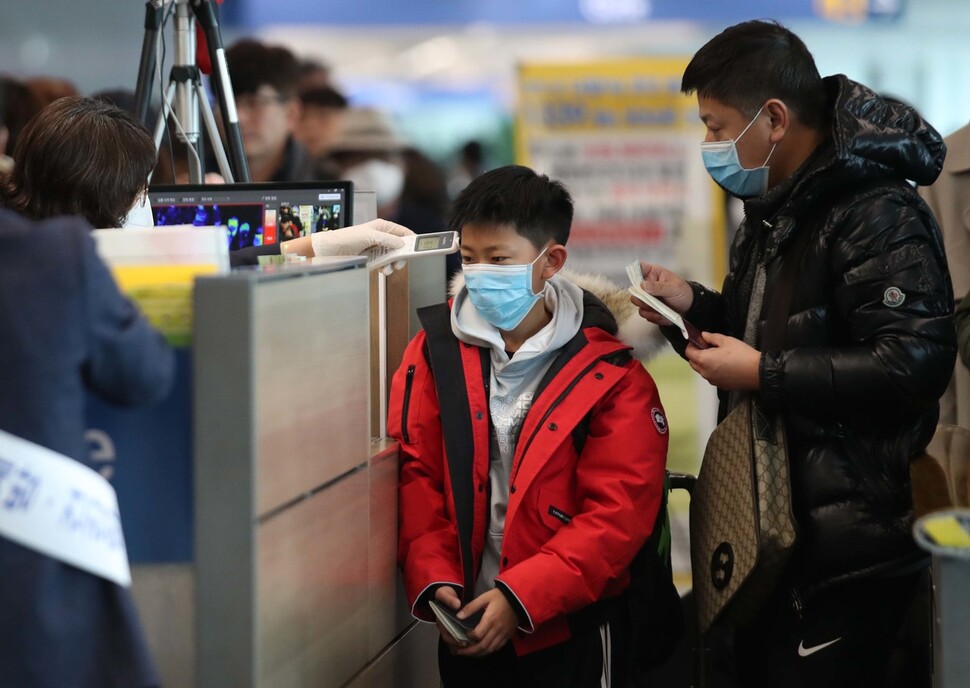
(893, 297)
(659, 421)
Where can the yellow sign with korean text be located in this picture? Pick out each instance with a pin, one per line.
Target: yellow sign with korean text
(624, 140)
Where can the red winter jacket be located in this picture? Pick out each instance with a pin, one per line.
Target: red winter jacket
(574, 521)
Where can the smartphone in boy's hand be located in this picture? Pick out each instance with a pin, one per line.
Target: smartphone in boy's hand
(457, 628)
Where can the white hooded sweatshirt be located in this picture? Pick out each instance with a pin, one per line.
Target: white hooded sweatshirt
(512, 386)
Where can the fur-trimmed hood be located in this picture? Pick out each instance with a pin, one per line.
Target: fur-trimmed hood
(634, 331)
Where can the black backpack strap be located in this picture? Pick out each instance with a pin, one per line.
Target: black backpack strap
(649, 611)
(579, 433)
(444, 355)
(579, 340)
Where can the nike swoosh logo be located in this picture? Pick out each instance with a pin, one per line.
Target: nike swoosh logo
(807, 651)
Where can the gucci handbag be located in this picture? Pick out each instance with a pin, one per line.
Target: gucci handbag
(741, 524)
(742, 530)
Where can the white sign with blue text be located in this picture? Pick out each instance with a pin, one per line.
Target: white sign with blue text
(61, 508)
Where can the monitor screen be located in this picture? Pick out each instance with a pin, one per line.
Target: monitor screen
(255, 214)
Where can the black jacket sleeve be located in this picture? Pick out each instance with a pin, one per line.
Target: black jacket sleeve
(890, 288)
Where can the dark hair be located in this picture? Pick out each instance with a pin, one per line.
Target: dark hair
(324, 97)
(18, 108)
(253, 64)
(312, 74)
(473, 153)
(80, 156)
(537, 207)
(425, 183)
(749, 63)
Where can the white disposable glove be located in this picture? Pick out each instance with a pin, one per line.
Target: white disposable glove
(352, 241)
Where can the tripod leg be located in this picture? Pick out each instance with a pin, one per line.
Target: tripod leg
(213, 131)
(205, 14)
(163, 114)
(188, 139)
(196, 173)
(143, 89)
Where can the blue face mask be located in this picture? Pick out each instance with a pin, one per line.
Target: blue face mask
(502, 294)
(724, 166)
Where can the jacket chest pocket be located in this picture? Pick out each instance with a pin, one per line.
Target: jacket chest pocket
(556, 508)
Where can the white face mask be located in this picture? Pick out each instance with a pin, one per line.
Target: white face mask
(384, 178)
(140, 216)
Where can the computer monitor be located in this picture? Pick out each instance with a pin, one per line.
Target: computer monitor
(255, 214)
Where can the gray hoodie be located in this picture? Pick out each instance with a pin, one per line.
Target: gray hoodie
(512, 385)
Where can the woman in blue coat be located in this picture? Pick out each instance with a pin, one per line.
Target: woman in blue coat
(67, 330)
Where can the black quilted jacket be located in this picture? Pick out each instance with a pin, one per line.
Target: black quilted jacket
(870, 339)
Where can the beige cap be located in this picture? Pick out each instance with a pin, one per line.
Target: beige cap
(366, 129)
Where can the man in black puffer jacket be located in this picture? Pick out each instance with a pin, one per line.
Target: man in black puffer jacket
(869, 348)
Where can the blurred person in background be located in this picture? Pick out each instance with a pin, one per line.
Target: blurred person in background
(313, 74)
(16, 110)
(22, 101)
(323, 106)
(265, 81)
(949, 199)
(6, 162)
(67, 331)
(470, 164)
(410, 187)
(44, 90)
(424, 200)
(368, 151)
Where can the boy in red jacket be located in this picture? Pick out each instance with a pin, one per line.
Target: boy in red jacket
(533, 452)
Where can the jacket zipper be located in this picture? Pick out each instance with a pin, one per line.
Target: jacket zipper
(552, 407)
(408, 381)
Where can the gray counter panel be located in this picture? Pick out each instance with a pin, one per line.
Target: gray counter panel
(411, 661)
(313, 588)
(280, 388)
(224, 447)
(311, 370)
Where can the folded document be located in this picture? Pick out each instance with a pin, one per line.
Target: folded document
(691, 333)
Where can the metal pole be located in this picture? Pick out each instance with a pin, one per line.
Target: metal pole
(222, 85)
(213, 131)
(184, 72)
(146, 65)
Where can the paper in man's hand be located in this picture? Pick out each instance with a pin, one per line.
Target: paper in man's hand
(691, 333)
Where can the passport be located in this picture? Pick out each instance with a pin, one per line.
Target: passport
(458, 628)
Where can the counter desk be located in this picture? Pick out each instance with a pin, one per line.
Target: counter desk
(292, 577)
